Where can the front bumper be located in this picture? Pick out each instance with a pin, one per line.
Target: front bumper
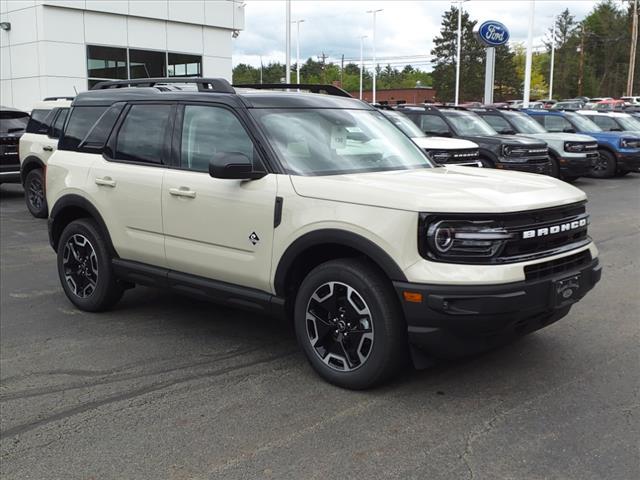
(628, 162)
(543, 168)
(453, 321)
(576, 165)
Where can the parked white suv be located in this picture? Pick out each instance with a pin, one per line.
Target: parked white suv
(314, 206)
(36, 146)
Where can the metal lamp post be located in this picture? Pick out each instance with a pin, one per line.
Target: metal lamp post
(374, 12)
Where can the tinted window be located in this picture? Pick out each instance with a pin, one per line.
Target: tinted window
(14, 121)
(58, 124)
(142, 134)
(106, 62)
(433, 125)
(40, 121)
(81, 119)
(182, 65)
(209, 130)
(498, 123)
(95, 140)
(145, 64)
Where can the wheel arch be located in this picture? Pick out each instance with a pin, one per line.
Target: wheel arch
(71, 207)
(30, 163)
(319, 246)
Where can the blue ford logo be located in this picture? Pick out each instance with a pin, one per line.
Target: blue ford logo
(492, 33)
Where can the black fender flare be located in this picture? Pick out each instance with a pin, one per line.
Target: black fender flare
(73, 201)
(339, 237)
(29, 163)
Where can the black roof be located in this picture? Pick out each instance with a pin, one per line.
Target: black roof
(108, 93)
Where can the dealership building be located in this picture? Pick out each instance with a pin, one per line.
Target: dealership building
(52, 48)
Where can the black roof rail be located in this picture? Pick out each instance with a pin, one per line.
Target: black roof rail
(313, 88)
(213, 85)
(53, 99)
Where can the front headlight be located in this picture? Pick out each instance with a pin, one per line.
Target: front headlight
(574, 147)
(462, 239)
(630, 143)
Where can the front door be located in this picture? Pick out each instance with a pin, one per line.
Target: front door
(214, 228)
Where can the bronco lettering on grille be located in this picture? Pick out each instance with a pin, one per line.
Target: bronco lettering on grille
(563, 227)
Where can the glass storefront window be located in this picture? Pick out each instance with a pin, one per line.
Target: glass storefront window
(106, 62)
(183, 65)
(147, 64)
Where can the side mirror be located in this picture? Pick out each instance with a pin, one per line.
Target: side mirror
(233, 166)
(442, 133)
(569, 130)
(507, 131)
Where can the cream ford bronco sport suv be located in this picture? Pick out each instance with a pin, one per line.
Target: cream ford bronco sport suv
(36, 146)
(314, 206)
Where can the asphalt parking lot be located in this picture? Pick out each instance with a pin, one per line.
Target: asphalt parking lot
(164, 387)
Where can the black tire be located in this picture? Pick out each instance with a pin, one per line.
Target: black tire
(604, 166)
(34, 195)
(622, 173)
(486, 163)
(382, 344)
(86, 272)
(570, 179)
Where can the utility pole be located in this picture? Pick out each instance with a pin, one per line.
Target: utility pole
(632, 49)
(341, 69)
(298, 22)
(374, 12)
(529, 58)
(361, 61)
(322, 59)
(459, 49)
(581, 63)
(288, 43)
(553, 56)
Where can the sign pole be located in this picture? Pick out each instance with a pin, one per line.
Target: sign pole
(489, 75)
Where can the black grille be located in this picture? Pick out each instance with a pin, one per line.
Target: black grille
(570, 263)
(8, 150)
(466, 155)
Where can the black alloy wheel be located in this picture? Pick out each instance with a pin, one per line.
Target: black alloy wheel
(34, 194)
(604, 166)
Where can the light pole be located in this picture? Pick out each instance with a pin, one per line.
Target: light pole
(374, 51)
(553, 57)
(459, 48)
(287, 78)
(527, 67)
(361, 61)
(298, 22)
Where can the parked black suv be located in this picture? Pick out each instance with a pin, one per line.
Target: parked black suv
(496, 151)
(12, 125)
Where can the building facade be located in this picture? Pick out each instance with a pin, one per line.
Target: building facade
(51, 48)
(394, 96)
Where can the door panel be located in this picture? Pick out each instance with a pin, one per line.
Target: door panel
(215, 228)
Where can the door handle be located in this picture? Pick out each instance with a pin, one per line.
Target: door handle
(106, 182)
(47, 148)
(182, 192)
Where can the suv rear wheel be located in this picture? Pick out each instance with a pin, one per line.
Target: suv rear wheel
(34, 193)
(349, 324)
(84, 267)
(604, 166)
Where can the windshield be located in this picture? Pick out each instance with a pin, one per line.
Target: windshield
(524, 123)
(401, 121)
(334, 141)
(12, 121)
(582, 122)
(628, 123)
(467, 123)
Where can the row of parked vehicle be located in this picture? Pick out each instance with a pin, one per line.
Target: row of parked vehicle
(320, 209)
(623, 104)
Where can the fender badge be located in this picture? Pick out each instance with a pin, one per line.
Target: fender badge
(254, 239)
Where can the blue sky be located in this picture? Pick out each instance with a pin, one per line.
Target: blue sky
(405, 29)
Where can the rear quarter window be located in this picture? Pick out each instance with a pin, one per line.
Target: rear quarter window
(81, 119)
(40, 121)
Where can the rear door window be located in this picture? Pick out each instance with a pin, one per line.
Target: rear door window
(498, 123)
(58, 124)
(433, 125)
(555, 123)
(143, 134)
(605, 123)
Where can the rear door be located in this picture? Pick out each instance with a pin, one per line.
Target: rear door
(215, 228)
(126, 182)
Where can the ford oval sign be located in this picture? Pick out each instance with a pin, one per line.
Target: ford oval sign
(492, 33)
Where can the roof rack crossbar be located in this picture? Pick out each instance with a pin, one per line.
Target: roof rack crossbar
(213, 85)
(313, 88)
(53, 99)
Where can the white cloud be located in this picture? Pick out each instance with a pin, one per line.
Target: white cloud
(405, 29)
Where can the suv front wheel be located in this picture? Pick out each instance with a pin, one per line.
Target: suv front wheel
(34, 193)
(349, 325)
(85, 269)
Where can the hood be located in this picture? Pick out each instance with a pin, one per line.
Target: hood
(565, 137)
(442, 189)
(443, 143)
(506, 139)
(611, 136)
